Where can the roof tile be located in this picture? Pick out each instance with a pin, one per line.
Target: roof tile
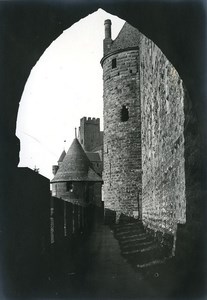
(128, 37)
(76, 166)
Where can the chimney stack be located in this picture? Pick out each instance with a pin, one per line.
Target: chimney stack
(107, 40)
(107, 25)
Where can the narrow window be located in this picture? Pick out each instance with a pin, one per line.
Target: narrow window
(69, 186)
(113, 63)
(124, 113)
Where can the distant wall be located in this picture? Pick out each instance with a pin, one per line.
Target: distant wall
(68, 220)
(163, 163)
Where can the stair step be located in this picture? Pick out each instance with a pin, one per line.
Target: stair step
(136, 244)
(138, 247)
(145, 256)
(140, 235)
(134, 238)
(152, 263)
(127, 226)
(138, 223)
(129, 232)
(151, 247)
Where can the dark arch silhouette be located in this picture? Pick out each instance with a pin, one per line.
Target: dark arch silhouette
(28, 28)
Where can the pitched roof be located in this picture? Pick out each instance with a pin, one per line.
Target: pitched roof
(63, 154)
(128, 37)
(76, 166)
(93, 156)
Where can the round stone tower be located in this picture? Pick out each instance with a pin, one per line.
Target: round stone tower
(122, 122)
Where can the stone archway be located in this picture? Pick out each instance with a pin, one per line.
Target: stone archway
(24, 39)
(28, 29)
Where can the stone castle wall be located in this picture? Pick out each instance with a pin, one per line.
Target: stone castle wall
(89, 133)
(122, 140)
(163, 164)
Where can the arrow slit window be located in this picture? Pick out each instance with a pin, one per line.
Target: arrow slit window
(124, 113)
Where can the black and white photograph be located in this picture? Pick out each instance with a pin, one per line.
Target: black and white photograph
(103, 149)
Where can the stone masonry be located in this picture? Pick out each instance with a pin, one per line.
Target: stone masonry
(122, 139)
(144, 165)
(89, 133)
(163, 165)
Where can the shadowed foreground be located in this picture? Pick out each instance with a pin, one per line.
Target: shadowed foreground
(96, 268)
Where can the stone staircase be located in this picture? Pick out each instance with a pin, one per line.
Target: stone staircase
(138, 247)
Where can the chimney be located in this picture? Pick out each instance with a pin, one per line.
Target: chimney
(107, 40)
(107, 25)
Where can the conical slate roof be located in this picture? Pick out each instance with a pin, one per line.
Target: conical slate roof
(128, 37)
(76, 166)
(62, 156)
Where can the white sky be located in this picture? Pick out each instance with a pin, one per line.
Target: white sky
(64, 86)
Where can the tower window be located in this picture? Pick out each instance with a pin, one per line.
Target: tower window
(124, 113)
(113, 63)
(69, 186)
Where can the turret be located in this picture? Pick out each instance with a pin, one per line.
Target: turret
(107, 40)
(89, 134)
(122, 123)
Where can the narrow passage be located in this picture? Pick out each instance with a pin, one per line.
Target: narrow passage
(97, 270)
